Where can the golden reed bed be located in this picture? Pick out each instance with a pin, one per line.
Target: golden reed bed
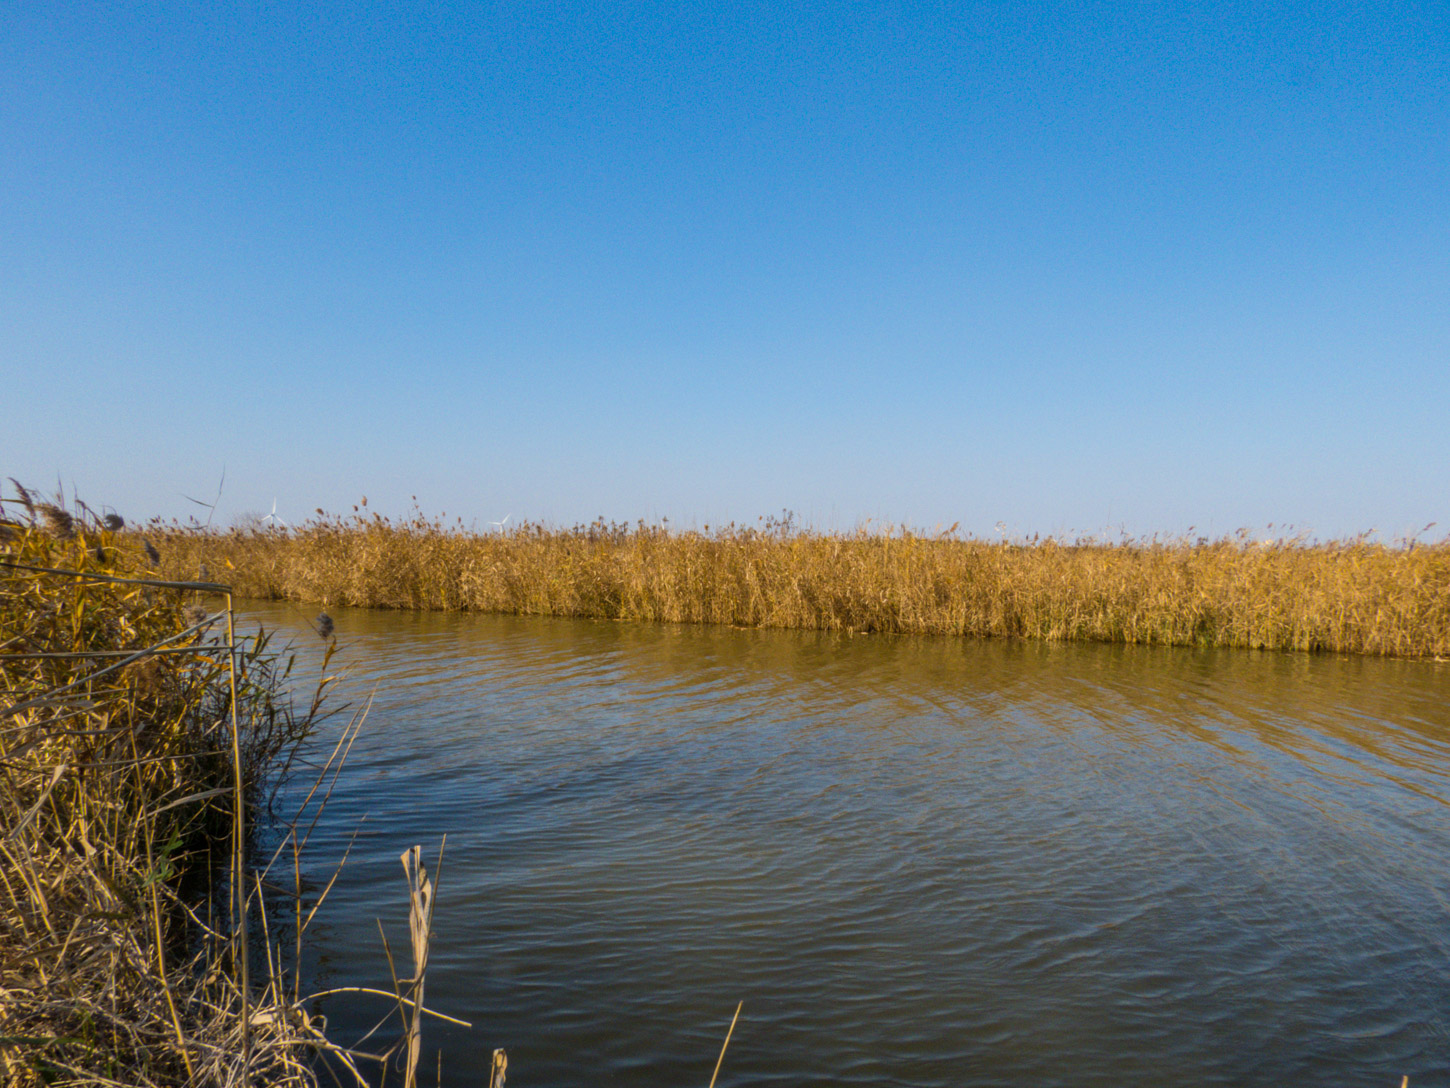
(1351, 596)
(141, 745)
(134, 735)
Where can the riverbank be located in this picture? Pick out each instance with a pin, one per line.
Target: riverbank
(1351, 596)
(130, 756)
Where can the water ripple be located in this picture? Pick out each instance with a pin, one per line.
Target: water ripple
(918, 861)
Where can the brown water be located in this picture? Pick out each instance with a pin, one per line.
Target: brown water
(917, 861)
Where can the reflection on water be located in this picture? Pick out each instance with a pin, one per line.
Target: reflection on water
(917, 861)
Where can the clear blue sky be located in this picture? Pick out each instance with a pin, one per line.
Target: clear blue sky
(1060, 266)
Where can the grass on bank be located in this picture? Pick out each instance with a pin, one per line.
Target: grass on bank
(1345, 596)
(122, 770)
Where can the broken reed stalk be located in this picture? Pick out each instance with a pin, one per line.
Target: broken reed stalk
(408, 992)
(420, 931)
(721, 1060)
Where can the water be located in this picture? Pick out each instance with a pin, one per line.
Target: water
(917, 861)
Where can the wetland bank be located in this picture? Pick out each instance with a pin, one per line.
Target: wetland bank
(918, 858)
(136, 735)
(1342, 596)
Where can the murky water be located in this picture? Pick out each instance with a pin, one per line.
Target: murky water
(917, 861)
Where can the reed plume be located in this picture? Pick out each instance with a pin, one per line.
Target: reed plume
(58, 521)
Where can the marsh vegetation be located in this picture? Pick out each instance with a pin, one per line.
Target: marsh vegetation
(1344, 596)
(149, 935)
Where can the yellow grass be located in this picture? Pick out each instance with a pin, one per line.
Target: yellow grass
(124, 761)
(1349, 596)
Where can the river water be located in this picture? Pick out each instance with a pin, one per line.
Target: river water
(917, 861)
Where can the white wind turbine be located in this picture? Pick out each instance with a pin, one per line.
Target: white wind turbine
(273, 518)
(502, 523)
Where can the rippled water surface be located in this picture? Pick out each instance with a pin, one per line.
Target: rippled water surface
(917, 861)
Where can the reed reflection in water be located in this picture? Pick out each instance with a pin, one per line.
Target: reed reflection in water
(918, 861)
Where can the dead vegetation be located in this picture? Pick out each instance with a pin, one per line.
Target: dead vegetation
(143, 940)
(1290, 593)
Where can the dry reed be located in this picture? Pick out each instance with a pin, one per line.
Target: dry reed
(134, 731)
(1343, 596)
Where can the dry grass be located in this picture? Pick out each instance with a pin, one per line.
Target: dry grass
(1348, 596)
(125, 765)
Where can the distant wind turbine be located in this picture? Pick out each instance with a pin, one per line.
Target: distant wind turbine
(273, 518)
(501, 524)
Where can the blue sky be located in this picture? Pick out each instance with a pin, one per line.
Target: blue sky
(1059, 266)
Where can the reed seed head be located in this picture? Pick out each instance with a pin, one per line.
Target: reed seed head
(24, 494)
(58, 521)
(114, 522)
(324, 625)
